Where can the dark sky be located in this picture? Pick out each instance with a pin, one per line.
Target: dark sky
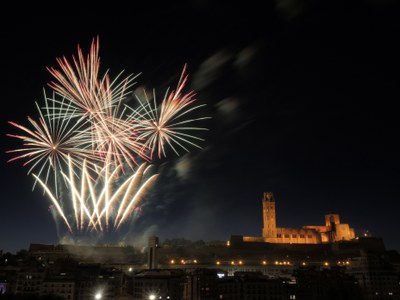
(302, 96)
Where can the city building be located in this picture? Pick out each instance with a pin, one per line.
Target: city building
(376, 276)
(158, 284)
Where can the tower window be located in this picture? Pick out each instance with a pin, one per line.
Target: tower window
(294, 235)
(278, 235)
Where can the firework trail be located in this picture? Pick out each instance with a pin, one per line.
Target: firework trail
(88, 136)
(93, 209)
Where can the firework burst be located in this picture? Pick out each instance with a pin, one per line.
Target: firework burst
(47, 145)
(100, 101)
(168, 124)
(87, 135)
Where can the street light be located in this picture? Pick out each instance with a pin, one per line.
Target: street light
(98, 296)
(152, 297)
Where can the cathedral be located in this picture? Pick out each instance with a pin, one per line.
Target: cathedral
(333, 231)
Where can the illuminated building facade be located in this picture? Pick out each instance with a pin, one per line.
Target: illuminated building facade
(333, 231)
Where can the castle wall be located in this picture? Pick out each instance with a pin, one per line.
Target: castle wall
(352, 234)
(295, 236)
(344, 232)
(253, 239)
(317, 228)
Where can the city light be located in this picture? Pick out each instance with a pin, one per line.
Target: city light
(264, 262)
(152, 297)
(218, 263)
(98, 296)
(172, 261)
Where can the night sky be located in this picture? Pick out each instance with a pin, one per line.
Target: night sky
(302, 94)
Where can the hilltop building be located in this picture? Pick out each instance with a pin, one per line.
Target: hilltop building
(332, 232)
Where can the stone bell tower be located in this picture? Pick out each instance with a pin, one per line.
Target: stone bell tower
(269, 230)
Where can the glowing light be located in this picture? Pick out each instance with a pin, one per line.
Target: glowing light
(264, 262)
(326, 263)
(303, 263)
(195, 261)
(218, 262)
(130, 269)
(98, 296)
(172, 261)
(240, 262)
(232, 262)
(152, 297)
